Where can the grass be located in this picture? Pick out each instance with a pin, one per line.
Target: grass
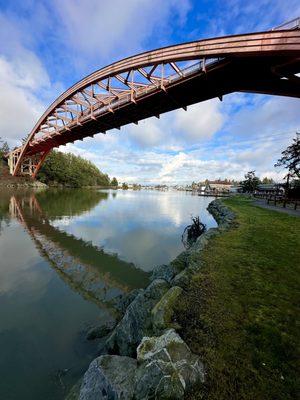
(240, 312)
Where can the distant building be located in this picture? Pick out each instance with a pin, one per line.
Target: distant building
(271, 188)
(236, 189)
(218, 186)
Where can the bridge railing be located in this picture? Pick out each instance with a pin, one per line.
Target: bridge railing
(292, 24)
(99, 109)
(189, 70)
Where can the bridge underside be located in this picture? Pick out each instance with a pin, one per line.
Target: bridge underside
(246, 75)
(266, 74)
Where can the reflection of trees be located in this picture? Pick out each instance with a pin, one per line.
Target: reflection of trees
(70, 202)
(5, 197)
(86, 268)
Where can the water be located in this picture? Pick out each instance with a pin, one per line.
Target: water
(65, 256)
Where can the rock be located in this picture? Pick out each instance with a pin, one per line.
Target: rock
(166, 368)
(221, 213)
(170, 387)
(182, 279)
(180, 262)
(168, 271)
(137, 321)
(163, 311)
(156, 289)
(200, 243)
(74, 392)
(170, 342)
(165, 272)
(102, 330)
(158, 380)
(123, 301)
(109, 377)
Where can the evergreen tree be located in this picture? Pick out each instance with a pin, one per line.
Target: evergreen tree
(291, 158)
(4, 149)
(267, 180)
(70, 170)
(114, 182)
(250, 183)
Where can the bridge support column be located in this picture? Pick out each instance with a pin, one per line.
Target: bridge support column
(12, 160)
(29, 166)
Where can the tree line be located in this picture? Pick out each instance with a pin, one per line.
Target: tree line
(68, 170)
(74, 171)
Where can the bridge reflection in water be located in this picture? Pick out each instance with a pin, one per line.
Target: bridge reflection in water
(87, 269)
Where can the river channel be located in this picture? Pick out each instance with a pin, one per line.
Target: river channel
(65, 257)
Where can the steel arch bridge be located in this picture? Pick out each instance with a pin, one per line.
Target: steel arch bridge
(158, 81)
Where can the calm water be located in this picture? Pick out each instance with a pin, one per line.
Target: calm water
(65, 255)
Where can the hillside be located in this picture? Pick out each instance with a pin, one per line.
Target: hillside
(60, 169)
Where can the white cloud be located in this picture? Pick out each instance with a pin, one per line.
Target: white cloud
(25, 87)
(238, 16)
(108, 29)
(266, 115)
(148, 133)
(178, 128)
(19, 107)
(172, 166)
(201, 121)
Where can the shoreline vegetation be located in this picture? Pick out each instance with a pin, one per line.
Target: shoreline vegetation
(240, 309)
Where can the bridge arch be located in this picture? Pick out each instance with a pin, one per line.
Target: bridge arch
(161, 80)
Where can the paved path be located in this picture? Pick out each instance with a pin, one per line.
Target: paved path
(263, 204)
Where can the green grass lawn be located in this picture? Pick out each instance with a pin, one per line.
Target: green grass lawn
(241, 311)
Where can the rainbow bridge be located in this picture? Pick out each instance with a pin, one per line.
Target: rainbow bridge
(161, 80)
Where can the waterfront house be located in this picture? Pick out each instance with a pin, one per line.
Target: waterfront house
(218, 186)
(271, 188)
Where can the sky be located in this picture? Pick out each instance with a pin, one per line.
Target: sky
(46, 46)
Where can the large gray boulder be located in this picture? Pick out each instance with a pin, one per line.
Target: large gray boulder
(166, 368)
(122, 302)
(163, 311)
(164, 271)
(168, 271)
(158, 380)
(99, 331)
(110, 378)
(136, 322)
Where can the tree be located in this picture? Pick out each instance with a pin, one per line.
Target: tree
(136, 186)
(114, 182)
(250, 183)
(69, 170)
(124, 186)
(291, 158)
(4, 149)
(267, 180)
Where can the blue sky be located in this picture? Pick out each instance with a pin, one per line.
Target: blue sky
(46, 46)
